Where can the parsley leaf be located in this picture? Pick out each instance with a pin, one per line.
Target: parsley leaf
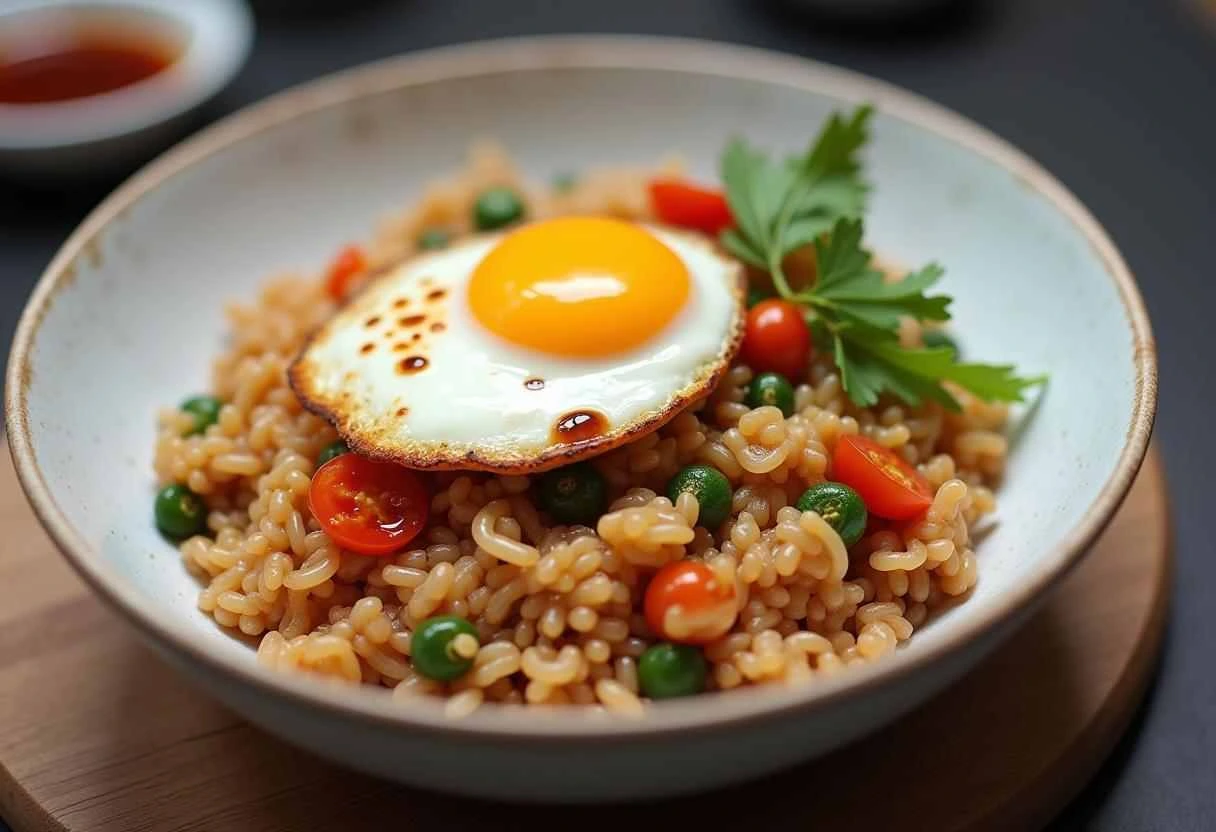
(782, 206)
(850, 289)
(915, 375)
(860, 312)
(754, 189)
(817, 199)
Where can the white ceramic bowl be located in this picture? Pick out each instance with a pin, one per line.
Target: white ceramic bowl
(128, 317)
(133, 122)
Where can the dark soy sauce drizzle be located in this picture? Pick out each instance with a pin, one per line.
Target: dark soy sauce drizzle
(579, 426)
(412, 364)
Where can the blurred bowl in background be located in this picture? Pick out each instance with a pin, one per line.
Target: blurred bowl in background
(89, 85)
(871, 11)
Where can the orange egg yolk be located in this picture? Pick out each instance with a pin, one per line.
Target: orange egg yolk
(579, 286)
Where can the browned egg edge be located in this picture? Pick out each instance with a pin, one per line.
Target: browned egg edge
(444, 456)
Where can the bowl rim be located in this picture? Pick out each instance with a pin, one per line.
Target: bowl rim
(543, 725)
(218, 36)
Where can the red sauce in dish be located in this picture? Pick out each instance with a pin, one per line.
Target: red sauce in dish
(79, 67)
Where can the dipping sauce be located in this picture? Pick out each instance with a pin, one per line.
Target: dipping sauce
(79, 65)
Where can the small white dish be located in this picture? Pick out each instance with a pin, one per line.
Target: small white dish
(130, 314)
(211, 41)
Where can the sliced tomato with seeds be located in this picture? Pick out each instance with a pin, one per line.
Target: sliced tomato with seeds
(690, 206)
(890, 487)
(369, 507)
(348, 265)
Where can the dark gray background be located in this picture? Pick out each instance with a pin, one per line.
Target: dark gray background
(1117, 98)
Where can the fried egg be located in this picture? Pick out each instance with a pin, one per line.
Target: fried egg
(523, 351)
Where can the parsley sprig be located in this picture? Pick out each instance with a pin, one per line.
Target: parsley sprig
(817, 199)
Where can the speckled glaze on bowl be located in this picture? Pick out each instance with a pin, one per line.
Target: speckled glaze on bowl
(129, 314)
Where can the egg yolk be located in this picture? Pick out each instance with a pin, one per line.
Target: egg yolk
(579, 286)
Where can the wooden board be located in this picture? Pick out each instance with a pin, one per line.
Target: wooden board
(97, 735)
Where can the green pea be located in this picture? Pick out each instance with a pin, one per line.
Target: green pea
(432, 650)
(840, 506)
(668, 670)
(497, 208)
(333, 449)
(574, 494)
(180, 513)
(434, 238)
(711, 488)
(206, 412)
(564, 182)
(771, 389)
(936, 338)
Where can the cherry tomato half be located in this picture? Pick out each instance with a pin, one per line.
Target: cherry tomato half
(690, 206)
(776, 339)
(706, 606)
(349, 264)
(369, 507)
(890, 486)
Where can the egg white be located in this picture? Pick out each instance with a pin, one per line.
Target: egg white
(469, 407)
